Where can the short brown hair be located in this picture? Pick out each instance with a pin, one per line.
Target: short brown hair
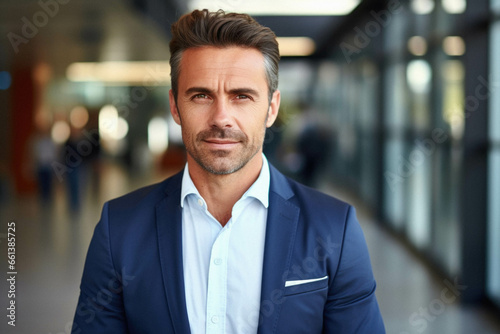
(220, 29)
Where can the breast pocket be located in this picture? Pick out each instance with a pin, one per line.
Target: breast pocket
(301, 286)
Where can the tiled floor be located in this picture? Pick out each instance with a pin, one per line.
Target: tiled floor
(51, 244)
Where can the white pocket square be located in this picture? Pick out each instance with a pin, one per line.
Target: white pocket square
(304, 281)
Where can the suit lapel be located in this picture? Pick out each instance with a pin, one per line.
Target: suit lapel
(281, 228)
(169, 227)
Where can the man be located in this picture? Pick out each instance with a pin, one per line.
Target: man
(229, 245)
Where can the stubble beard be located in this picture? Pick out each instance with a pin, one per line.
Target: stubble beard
(222, 162)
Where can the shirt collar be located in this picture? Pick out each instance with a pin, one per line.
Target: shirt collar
(259, 189)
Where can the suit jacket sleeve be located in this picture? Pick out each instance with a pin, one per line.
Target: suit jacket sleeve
(100, 306)
(351, 303)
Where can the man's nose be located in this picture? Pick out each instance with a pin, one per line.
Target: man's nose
(221, 114)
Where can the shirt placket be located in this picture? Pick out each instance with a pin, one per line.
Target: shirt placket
(217, 284)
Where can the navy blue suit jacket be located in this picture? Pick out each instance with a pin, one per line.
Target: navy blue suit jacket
(133, 276)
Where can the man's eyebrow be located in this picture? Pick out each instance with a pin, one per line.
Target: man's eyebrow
(201, 90)
(234, 91)
(243, 90)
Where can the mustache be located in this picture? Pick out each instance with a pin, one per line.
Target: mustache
(218, 133)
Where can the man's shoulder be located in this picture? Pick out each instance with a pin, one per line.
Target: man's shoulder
(303, 195)
(318, 199)
(318, 213)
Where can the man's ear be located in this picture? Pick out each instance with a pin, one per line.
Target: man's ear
(173, 107)
(274, 107)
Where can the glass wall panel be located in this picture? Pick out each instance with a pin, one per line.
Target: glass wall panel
(419, 199)
(394, 174)
(368, 155)
(394, 192)
(453, 74)
(419, 77)
(417, 158)
(493, 269)
(446, 241)
(346, 140)
(494, 228)
(494, 116)
(395, 35)
(395, 94)
(447, 160)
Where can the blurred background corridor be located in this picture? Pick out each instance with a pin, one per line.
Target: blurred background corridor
(393, 106)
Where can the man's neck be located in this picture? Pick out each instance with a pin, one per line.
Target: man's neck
(221, 192)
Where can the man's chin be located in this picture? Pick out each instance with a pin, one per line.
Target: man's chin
(222, 167)
(222, 162)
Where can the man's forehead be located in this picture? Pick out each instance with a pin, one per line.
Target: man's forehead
(232, 62)
(229, 56)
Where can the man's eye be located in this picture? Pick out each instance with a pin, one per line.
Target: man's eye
(242, 97)
(200, 96)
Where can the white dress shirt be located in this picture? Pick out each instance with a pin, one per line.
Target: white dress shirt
(223, 265)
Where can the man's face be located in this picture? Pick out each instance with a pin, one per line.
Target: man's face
(223, 107)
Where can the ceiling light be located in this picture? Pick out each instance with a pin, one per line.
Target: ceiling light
(79, 116)
(454, 6)
(296, 46)
(419, 75)
(417, 45)
(60, 132)
(454, 46)
(108, 120)
(158, 135)
(145, 73)
(279, 7)
(422, 7)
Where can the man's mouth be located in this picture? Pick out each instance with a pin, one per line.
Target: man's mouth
(221, 141)
(218, 143)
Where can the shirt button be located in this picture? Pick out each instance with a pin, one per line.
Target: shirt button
(200, 202)
(215, 319)
(218, 261)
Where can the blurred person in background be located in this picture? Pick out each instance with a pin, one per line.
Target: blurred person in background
(229, 244)
(314, 145)
(76, 168)
(44, 153)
